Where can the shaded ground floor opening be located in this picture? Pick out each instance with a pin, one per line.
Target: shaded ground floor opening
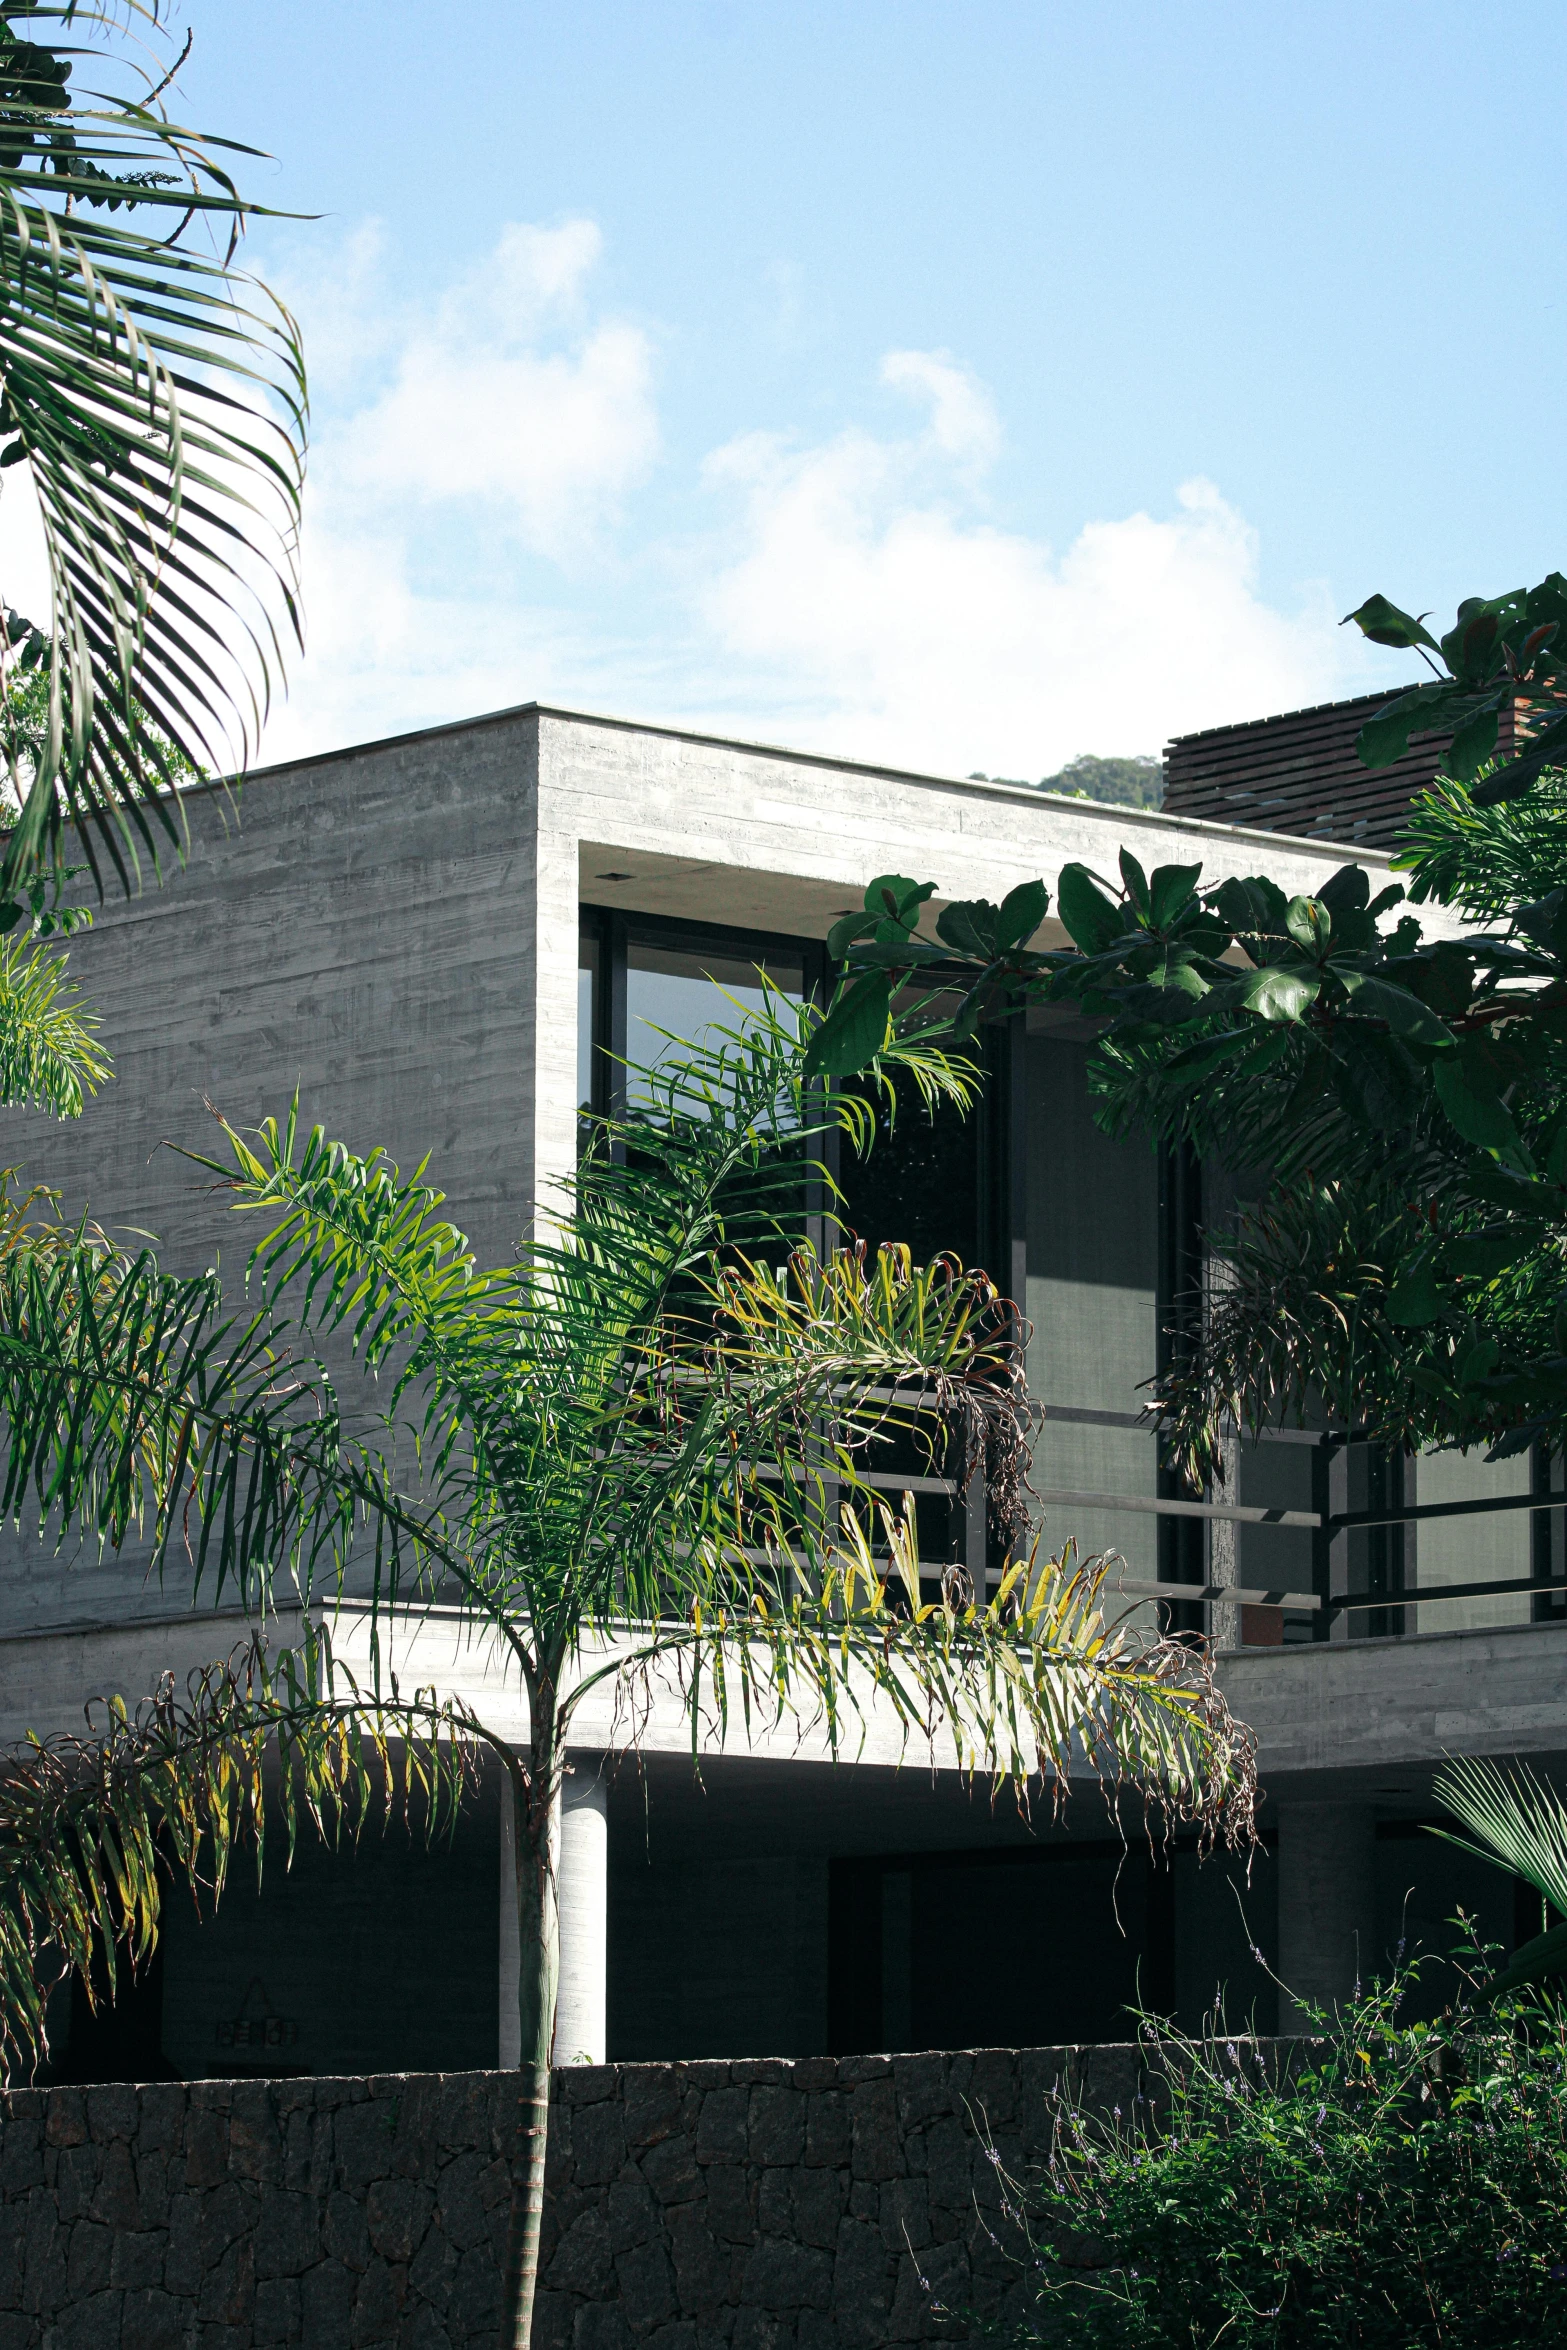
(777, 1908)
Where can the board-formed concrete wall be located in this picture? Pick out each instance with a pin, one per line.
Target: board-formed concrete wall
(822, 2204)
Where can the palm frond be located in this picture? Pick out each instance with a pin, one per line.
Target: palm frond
(1035, 1682)
(94, 1826)
(50, 1057)
(157, 399)
(1519, 1820)
(133, 1406)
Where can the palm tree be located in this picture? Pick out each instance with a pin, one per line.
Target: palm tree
(635, 1459)
(156, 399)
(1521, 1824)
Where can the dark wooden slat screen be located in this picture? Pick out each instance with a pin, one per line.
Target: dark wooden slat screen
(1299, 773)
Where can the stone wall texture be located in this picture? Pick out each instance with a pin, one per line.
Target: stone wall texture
(818, 2204)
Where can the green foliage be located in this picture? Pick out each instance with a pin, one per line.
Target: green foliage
(1390, 2187)
(157, 399)
(1503, 654)
(1121, 783)
(50, 1057)
(629, 1448)
(1521, 1826)
(1402, 1099)
(90, 1826)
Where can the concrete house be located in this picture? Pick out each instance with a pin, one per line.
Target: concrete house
(438, 939)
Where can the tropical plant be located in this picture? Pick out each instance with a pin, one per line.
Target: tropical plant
(156, 399)
(1395, 1105)
(626, 1460)
(1382, 2186)
(1519, 1822)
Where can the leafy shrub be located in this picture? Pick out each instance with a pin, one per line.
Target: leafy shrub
(1384, 2187)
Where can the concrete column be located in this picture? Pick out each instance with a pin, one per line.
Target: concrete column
(509, 2037)
(584, 1915)
(1327, 1905)
(1224, 1572)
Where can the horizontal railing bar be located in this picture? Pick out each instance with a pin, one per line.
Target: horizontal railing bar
(1446, 1509)
(1157, 1506)
(1305, 1600)
(1430, 1594)
(1078, 1415)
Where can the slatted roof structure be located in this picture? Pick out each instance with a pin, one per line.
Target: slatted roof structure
(1299, 773)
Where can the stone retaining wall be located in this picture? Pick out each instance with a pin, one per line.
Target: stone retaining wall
(821, 2204)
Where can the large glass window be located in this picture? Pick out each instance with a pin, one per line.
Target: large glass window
(679, 992)
(1092, 1223)
(589, 959)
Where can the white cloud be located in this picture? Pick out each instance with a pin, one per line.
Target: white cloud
(877, 612)
(472, 540)
(480, 408)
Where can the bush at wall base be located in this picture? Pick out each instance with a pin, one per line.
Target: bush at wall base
(1388, 2187)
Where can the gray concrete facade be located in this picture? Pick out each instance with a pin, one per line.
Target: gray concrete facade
(394, 932)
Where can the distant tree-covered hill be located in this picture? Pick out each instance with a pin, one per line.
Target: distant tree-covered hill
(1124, 783)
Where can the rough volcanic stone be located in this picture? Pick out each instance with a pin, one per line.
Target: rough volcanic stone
(784, 2276)
(91, 2324)
(632, 2215)
(646, 2285)
(206, 2147)
(670, 2170)
(776, 2126)
(721, 2132)
(598, 2143)
(398, 2212)
(878, 2149)
(277, 2312)
(112, 2112)
(87, 2264)
(326, 2306)
(651, 2103)
(137, 2260)
(66, 2123)
(288, 2234)
(583, 2261)
(115, 2199)
(729, 2207)
(600, 2326)
(153, 2321)
(828, 2129)
(702, 2267)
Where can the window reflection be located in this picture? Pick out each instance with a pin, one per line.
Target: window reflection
(588, 960)
(689, 993)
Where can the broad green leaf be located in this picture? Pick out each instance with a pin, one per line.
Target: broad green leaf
(1093, 920)
(1346, 891)
(969, 928)
(1022, 911)
(1135, 881)
(896, 901)
(1471, 746)
(1485, 1254)
(854, 1031)
(1479, 1118)
(1404, 1013)
(1170, 889)
(1385, 624)
(845, 931)
(1309, 924)
(1277, 993)
(1414, 1300)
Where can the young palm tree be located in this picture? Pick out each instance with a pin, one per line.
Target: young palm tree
(623, 1457)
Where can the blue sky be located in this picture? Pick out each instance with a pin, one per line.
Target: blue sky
(965, 386)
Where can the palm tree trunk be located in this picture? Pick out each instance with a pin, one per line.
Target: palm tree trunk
(535, 1794)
